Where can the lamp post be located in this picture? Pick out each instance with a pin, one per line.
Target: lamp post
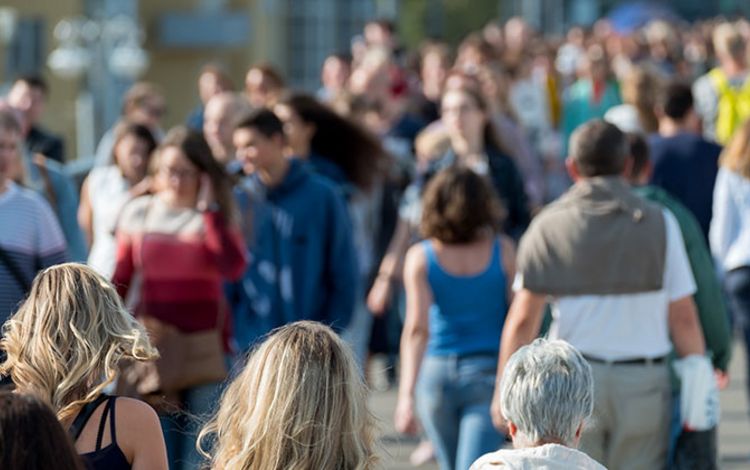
(96, 49)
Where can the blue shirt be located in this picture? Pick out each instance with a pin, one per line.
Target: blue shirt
(685, 166)
(303, 263)
(468, 312)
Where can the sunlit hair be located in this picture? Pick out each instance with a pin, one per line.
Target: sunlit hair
(299, 403)
(65, 341)
(736, 155)
(547, 391)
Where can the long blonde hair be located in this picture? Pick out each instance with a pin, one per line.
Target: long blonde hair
(736, 155)
(65, 341)
(299, 403)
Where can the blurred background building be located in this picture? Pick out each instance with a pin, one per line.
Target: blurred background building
(168, 41)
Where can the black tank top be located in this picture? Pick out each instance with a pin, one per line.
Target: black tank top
(107, 458)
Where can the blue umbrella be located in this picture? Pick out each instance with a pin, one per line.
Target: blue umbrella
(627, 17)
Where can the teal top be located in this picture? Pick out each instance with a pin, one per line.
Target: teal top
(579, 106)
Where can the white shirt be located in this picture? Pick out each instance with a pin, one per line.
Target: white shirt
(544, 457)
(108, 193)
(730, 226)
(625, 326)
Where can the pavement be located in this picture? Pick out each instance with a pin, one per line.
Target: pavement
(734, 428)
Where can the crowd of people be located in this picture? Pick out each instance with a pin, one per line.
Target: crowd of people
(209, 295)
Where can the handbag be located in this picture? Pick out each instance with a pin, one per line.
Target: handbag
(185, 359)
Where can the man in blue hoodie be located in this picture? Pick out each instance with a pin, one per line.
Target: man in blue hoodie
(302, 258)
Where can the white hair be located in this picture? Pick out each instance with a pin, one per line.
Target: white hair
(547, 391)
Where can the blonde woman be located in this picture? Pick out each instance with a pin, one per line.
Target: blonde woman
(63, 346)
(730, 228)
(299, 403)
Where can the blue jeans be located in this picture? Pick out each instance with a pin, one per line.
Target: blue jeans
(737, 286)
(181, 428)
(453, 397)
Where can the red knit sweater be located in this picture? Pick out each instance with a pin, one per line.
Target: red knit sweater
(180, 257)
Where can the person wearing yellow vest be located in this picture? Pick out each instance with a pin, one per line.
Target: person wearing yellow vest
(722, 96)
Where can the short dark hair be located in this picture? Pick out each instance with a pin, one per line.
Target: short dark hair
(598, 148)
(264, 121)
(32, 437)
(34, 81)
(457, 204)
(675, 100)
(639, 153)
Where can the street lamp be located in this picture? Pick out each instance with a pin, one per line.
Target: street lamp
(94, 48)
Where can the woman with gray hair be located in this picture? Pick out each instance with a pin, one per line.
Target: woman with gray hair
(547, 394)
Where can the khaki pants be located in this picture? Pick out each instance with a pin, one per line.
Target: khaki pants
(629, 429)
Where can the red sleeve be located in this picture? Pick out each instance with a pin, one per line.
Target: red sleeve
(226, 244)
(124, 267)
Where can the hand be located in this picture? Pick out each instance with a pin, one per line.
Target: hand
(498, 420)
(206, 196)
(404, 419)
(145, 186)
(722, 378)
(379, 296)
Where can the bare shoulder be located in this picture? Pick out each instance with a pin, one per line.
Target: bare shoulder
(416, 259)
(130, 410)
(507, 244)
(139, 433)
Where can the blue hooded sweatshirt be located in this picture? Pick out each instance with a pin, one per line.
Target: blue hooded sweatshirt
(302, 259)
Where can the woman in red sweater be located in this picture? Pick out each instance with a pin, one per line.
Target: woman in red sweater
(175, 248)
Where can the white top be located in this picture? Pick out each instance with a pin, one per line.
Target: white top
(730, 226)
(545, 457)
(108, 192)
(625, 326)
(625, 117)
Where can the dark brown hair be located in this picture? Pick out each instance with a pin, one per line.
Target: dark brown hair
(196, 149)
(357, 152)
(457, 204)
(639, 154)
(599, 149)
(141, 132)
(31, 438)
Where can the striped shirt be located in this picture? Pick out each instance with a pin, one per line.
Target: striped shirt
(31, 237)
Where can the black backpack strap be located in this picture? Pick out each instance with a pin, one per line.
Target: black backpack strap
(84, 415)
(15, 271)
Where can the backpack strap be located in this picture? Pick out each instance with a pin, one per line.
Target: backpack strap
(83, 416)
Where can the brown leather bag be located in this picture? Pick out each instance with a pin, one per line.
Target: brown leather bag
(186, 360)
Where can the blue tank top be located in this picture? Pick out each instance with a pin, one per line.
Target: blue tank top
(468, 312)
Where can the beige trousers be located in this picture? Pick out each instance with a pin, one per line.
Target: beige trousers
(629, 429)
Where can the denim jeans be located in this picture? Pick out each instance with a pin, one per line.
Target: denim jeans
(737, 286)
(181, 428)
(453, 399)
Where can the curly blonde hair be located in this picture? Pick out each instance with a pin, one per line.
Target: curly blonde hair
(300, 403)
(64, 343)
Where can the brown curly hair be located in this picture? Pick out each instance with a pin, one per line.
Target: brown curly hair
(458, 204)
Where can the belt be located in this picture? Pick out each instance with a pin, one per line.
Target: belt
(639, 361)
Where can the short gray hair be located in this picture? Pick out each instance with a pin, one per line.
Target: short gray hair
(547, 391)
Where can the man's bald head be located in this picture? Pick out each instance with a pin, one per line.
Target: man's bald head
(219, 117)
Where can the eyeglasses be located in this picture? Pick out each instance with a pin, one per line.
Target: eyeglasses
(179, 173)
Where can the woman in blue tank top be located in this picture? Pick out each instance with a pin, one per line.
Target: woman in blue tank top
(457, 295)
